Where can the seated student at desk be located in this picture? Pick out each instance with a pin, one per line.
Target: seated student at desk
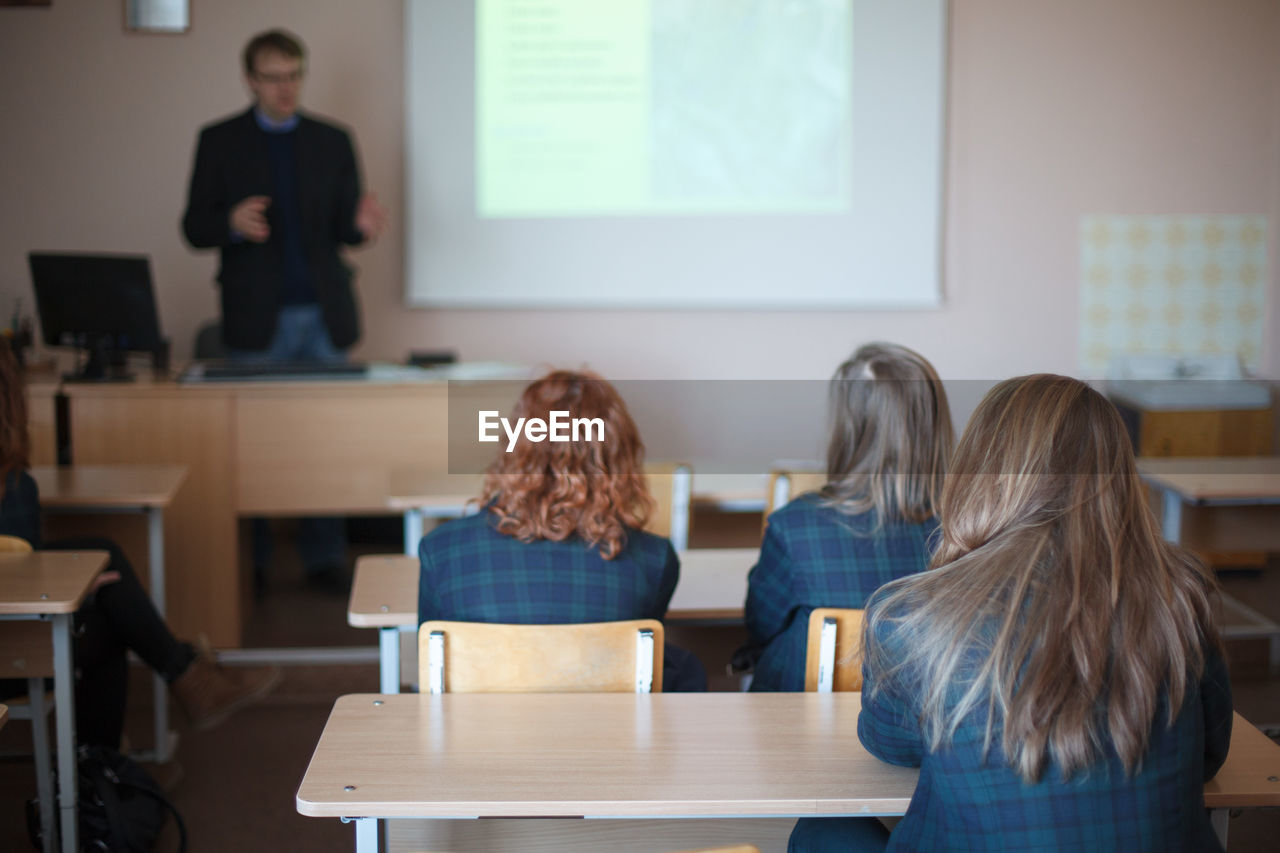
(558, 539)
(117, 617)
(1057, 674)
(873, 521)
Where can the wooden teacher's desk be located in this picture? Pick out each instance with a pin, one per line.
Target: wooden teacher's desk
(256, 448)
(692, 755)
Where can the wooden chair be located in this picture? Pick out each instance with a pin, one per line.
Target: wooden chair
(26, 652)
(671, 484)
(834, 658)
(593, 657)
(786, 484)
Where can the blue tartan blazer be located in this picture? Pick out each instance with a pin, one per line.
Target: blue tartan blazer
(472, 573)
(816, 556)
(20, 508)
(965, 801)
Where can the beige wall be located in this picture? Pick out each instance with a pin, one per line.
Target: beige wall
(1057, 109)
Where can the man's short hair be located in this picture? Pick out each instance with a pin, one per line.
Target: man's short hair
(277, 41)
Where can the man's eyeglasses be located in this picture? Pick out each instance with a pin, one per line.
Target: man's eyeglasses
(279, 79)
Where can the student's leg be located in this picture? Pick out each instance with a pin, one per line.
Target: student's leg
(838, 834)
(129, 617)
(102, 679)
(120, 616)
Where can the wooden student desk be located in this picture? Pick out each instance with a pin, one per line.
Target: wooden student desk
(144, 489)
(1223, 504)
(664, 755)
(384, 595)
(50, 586)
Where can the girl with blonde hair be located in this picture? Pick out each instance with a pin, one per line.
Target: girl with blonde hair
(1057, 675)
(871, 523)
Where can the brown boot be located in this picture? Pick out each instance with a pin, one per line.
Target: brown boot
(209, 692)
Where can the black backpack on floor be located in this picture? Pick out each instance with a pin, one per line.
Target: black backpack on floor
(122, 809)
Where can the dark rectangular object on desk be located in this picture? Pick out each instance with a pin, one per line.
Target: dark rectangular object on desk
(272, 371)
(432, 358)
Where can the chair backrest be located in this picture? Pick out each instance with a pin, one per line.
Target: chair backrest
(591, 657)
(833, 662)
(671, 485)
(786, 484)
(14, 545)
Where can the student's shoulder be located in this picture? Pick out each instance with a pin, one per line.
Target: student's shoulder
(458, 532)
(643, 545)
(806, 512)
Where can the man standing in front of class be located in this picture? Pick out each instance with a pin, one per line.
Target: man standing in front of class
(278, 193)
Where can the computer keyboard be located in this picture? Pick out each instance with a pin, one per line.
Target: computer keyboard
(248, 371)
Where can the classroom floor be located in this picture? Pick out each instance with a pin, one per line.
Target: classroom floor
(237, 783)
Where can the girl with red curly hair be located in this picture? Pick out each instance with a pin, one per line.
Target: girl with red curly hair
(559, 538)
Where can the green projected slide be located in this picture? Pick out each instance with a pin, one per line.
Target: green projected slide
(628, 107)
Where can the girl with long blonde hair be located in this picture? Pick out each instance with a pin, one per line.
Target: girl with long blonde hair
(1057, 675)
(874, 520)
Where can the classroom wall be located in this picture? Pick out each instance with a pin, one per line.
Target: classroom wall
(1057, 110)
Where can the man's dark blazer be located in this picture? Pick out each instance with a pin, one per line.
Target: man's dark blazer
(233, 163)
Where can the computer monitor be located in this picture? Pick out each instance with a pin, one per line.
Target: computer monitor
(103, 304)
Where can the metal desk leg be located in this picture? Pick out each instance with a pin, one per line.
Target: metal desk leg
(155, 555)
(64, 692)
(389, 660)
(1171, 518)
(366, 833)
(44, 767)
(412, 530)
(1219, 819)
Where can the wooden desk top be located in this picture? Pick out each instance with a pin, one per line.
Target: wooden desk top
(1216, 479)
(713, 585)
(626, 755)
(415, 489)
(598, 755)
(1251, 774)
(97, 486)
(384, 592)
(47, 582)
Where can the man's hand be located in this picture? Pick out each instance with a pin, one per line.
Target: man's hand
(249, 218)
(371, 217)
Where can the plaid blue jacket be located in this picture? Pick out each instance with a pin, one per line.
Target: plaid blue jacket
(20, 508)
(472, 573)
(815, 556)
(964, 801)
